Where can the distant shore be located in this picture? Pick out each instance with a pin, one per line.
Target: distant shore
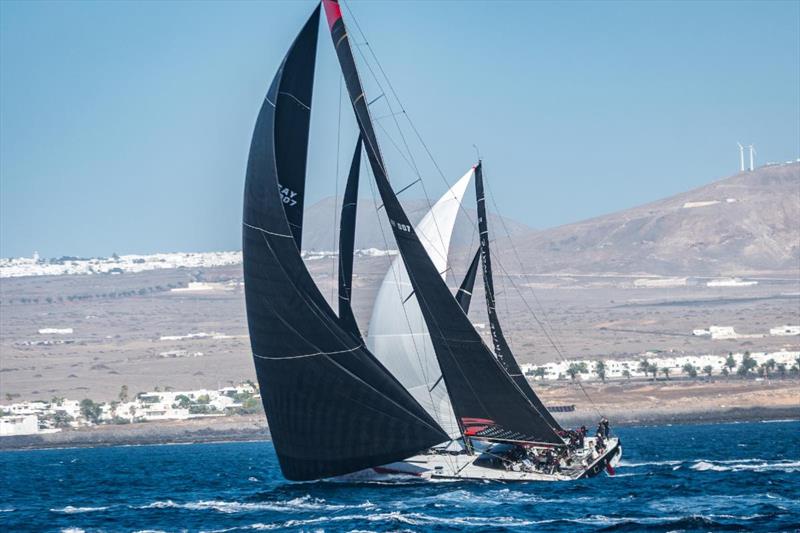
(254, 427)
(216, 429)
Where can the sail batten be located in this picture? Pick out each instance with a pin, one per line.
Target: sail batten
(332, 408)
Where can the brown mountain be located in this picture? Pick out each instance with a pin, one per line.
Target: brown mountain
(746, 223)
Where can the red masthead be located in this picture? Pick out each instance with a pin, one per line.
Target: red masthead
(332, 11)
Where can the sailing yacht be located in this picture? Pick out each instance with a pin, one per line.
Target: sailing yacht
(337, 404)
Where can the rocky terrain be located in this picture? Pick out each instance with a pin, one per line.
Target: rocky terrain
(746, 223)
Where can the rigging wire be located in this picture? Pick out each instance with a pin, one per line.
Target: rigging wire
(394, 114)
(524, 273)
(542, 324)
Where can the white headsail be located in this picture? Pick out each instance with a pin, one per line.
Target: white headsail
(398, 335)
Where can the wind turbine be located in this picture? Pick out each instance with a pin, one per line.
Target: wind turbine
(741, 157)
(752, 152)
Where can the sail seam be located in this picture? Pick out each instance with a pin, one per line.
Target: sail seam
(293, 97)
(267, 231)
(305, 355)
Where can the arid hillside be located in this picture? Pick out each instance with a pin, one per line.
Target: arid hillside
(744, 224)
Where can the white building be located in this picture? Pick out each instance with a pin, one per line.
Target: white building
(785, 331)
(619, 368)
(730, 282)
(19, 425)
(150, 406)
(178, 405)
(724, 333)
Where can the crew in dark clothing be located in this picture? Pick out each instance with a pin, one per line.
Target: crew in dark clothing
(550, 461)
(606, 427)
(603, 428)
(600, 444)
(571, 438)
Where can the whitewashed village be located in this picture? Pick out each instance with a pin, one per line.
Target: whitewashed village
(60, 414)
(654, 365)
(57, 414)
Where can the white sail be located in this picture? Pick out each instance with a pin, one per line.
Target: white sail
(397, 333)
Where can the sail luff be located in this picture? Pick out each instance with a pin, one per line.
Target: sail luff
(347, 230)
(501, 347)
(332, 407)
(486, 401)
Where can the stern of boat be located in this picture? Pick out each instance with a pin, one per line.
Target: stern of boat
(607, 461)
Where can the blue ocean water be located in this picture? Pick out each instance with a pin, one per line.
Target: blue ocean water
(681, 478)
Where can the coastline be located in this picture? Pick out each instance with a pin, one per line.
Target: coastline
(193, 431)
(253, 427)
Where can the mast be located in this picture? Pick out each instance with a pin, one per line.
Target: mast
(347, 233)
(487, 403)
(332, 407)
(501, 347)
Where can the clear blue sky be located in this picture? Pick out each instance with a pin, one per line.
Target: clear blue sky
(124, 127)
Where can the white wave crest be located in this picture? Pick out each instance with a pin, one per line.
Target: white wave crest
(69, 509)
(623, 463)
(415, 519)
(303, 503)
(747, 465)
(392, 518)
(396, 520)
(491, 498)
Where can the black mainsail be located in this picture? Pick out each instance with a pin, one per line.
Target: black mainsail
(501, 347)
(464, 294)
(347, 235)
(487, 402)
(332, 407)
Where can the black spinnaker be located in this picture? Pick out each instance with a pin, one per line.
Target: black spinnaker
(332, 407)
(501, 348)
(347, 234)
(487, 402)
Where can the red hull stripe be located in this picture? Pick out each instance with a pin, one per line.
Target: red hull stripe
(470, 421)
(332, 11)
